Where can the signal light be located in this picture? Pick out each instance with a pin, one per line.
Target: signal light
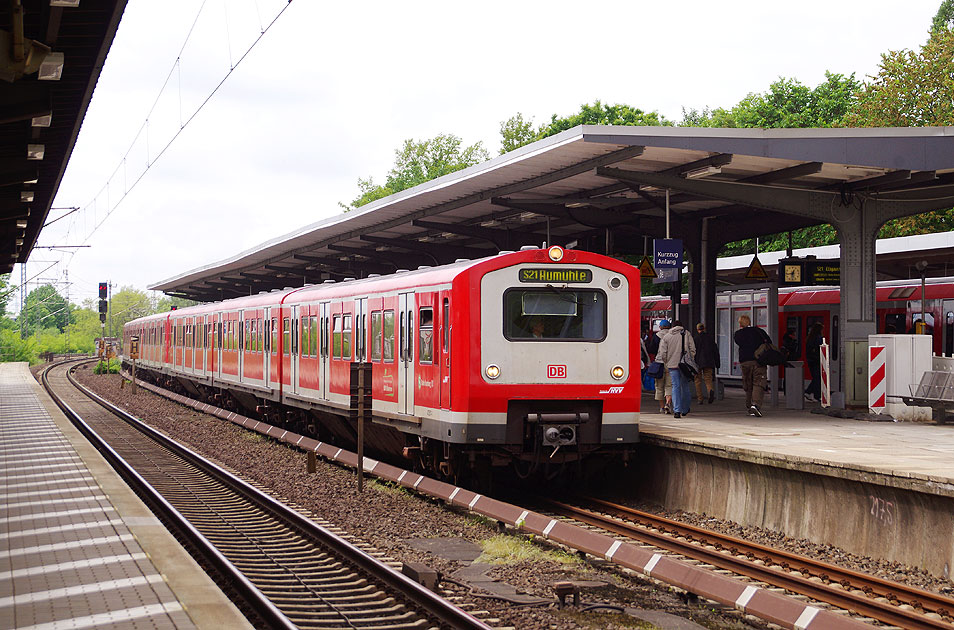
(103, 307)
(103, 288)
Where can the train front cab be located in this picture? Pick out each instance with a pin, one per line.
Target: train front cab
(552, 376)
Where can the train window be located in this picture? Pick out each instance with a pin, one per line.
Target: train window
(446, 326)
(388, 347)
(313, 336)
(362, 337)
(274, 336)
(376, 322)
(336, 323)
(286, 336)
(295, 346)
(410, 335)
(402, 338)
(425, 350)
(555, 314)
(346, 337)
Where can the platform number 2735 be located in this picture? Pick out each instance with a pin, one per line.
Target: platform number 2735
(882, 510)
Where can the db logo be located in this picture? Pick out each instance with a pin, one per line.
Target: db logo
(556, 371)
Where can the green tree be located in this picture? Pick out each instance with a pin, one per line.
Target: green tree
(944, 18)
(911, 89)
(126, 305)
(419, 162)
(787, 103)
(6, 292)
(601, 114)
(84, 329)
(46, 308)
(515, 133)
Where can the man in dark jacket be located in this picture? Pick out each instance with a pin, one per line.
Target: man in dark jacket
(749, 338)
(707, 357)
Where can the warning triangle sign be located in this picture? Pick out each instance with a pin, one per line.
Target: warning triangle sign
(756, 271)
(646, 268)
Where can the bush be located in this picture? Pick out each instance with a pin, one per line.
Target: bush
(12, 348)
(106, 367)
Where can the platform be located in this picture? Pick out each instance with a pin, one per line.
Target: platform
(79, 549)
(913, 453)
(884, 489)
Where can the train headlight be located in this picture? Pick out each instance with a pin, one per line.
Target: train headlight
(618, 372)
(555, 253)
(493, 371)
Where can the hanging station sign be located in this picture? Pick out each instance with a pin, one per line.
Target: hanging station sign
(667, 253)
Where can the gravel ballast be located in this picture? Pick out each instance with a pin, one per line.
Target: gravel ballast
(389, 518)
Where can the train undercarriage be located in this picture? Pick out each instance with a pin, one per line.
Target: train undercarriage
(544, 441)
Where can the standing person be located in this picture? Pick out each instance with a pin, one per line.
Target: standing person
(749, 338)
(664, 384)
(813, 356)
(707, 358)
(670, 354)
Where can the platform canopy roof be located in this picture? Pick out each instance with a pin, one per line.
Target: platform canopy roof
(40, 115)
(602, 189)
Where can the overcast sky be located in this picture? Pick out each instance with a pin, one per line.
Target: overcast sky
(332, 89)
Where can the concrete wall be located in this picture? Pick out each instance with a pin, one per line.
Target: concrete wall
(861, 512)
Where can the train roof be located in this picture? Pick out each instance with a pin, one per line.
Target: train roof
(403, 279)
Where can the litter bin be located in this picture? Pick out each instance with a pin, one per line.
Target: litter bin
(795, 385)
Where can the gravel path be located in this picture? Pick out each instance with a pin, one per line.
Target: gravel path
(389, 517)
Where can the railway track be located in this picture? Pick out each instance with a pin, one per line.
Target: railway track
(287, 569)
(889, 602)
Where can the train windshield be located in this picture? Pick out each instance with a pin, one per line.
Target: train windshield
(554, 313)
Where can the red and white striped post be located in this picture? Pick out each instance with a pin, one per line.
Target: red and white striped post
(877, 383)
(825, 374)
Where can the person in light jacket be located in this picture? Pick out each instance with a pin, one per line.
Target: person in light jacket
(664, 384)
(671, 348)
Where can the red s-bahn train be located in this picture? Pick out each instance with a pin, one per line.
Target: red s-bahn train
(527, 359)
(898, 308)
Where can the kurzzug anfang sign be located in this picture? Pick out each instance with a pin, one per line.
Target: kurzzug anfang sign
(667, 253)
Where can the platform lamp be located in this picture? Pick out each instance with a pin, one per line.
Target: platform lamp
(922, 325)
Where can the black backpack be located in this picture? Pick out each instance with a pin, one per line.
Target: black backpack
(652, 346)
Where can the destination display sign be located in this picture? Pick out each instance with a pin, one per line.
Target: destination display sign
(809, 272)
(824, 272)
(555, 274)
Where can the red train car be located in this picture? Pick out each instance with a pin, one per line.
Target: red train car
(898, 308)
(526, 358)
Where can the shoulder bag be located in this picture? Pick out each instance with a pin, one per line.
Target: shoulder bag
(687, 364)
(768, 353)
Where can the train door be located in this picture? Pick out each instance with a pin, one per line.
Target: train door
(445, 345)
(361, 328)
(406, 353)
(294, 341)
(324, 321)
(218, 345)
(271, 348)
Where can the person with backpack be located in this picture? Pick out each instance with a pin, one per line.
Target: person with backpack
(749, 338)
(671, 349)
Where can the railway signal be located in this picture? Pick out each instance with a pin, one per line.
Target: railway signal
(103, 305)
